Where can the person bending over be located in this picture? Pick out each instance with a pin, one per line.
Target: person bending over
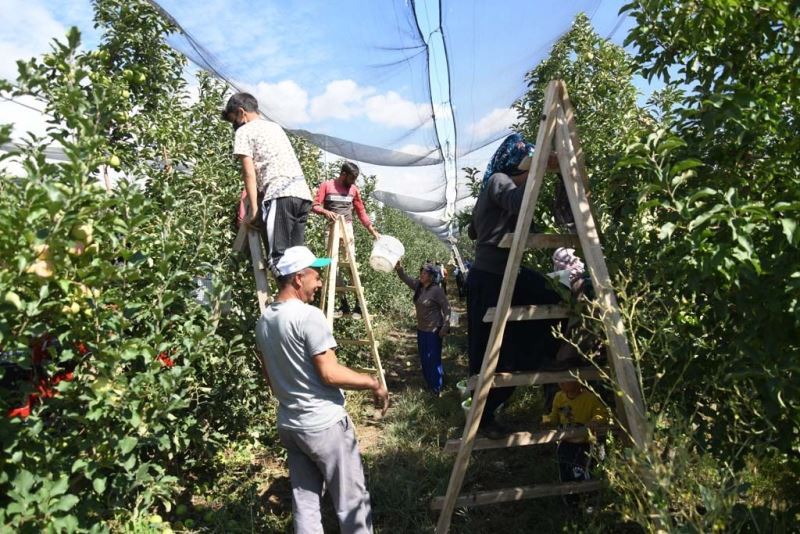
(574, 406)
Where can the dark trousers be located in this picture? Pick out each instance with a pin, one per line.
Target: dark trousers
(526, 344)
(574, 461)
(282, 223)
(429, 345)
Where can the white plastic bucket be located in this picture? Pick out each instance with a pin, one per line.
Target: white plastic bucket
(386, 252)
(466, 404)
(462, 388)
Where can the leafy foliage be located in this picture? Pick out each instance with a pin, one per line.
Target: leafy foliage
(148, 373)
(110, 277)
(696, 196)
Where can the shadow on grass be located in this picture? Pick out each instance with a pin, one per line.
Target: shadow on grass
(410, 468)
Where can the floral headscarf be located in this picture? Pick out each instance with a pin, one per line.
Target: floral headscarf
(565, 259)
(508, 156)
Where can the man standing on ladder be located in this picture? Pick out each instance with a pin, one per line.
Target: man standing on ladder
(338, 197)
(277, 192)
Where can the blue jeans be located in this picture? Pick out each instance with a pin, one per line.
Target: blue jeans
(429, 345)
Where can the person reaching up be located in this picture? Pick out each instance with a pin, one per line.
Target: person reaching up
(526, 345)
(433, 322)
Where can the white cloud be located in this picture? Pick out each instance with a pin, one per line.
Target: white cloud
(391, 109)
(285, 101)
(192, 91)
(288, 103)
(497, 120)
(27, 29)
(342, 99)
(24, 119)
(345, 99)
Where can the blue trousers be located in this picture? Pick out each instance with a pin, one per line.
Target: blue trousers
(429, 345)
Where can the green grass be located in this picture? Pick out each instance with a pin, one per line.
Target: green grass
(403, 459)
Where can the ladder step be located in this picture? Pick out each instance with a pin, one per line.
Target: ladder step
(531, 313)
(519, 493)
(540, 377)
(352, 315)
(360, 342)
(543, 241)
(342, 289)
(522, 439)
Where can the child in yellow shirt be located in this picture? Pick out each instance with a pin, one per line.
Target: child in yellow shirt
(574, 406)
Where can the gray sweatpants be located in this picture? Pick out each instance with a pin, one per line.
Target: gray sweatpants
(327, 459)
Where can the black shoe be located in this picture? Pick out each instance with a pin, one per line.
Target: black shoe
(493, 430)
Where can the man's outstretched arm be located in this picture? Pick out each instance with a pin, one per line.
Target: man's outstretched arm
(335, 374)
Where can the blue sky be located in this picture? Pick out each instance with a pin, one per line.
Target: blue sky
(357, 70)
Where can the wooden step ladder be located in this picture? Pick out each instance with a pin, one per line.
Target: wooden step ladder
(337, 233)
(557, 126)
(250, 235)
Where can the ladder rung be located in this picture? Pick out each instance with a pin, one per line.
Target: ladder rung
(520, 493)
(361, 342)
(543, 241)
(540, 377)
(342, 289)
(521, 439)
(531, 313)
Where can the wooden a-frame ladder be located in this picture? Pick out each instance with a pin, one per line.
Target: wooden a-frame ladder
(337, 232)
(557, 126)
(260, 269)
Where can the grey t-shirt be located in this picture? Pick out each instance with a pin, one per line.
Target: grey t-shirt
(289, 334)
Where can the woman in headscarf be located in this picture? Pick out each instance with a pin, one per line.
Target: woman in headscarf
(433, 322)
(526, 345)
(508, 157)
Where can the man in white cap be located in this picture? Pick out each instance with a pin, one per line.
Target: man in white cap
(298, 354)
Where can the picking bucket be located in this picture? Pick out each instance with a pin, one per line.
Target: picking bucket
(386, 252)
(462, 388)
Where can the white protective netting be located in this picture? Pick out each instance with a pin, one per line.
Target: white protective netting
(411, 90)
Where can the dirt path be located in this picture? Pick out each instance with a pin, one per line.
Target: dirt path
(259, 485)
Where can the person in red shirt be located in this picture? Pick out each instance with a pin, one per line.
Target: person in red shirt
(340, 196)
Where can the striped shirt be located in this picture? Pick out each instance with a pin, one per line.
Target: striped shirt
(334, 196)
